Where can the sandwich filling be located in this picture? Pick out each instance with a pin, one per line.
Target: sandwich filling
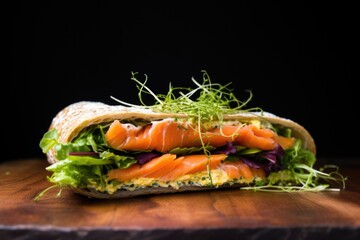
(178, 153)
(137, 154)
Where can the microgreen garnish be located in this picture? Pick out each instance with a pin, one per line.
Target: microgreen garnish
(206, 102)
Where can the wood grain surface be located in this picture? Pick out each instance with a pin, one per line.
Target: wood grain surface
(230, 213)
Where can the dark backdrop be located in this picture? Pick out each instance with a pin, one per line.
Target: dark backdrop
(296, 58)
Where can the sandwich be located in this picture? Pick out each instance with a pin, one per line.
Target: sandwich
(179, 144)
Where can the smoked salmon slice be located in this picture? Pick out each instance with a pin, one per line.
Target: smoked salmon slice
(150, 169)
(191, 164)
(168, 168)
(167, 134)
(238, 169)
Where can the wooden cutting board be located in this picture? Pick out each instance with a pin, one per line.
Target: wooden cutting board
(228, 214)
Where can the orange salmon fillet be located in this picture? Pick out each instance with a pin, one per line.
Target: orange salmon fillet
(238, 169)
(166, 135)
(168, 167)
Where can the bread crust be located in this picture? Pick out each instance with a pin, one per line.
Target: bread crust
(92, 193)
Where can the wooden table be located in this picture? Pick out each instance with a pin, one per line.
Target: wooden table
(219, 214)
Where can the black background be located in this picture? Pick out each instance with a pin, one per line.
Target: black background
(296, 58)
